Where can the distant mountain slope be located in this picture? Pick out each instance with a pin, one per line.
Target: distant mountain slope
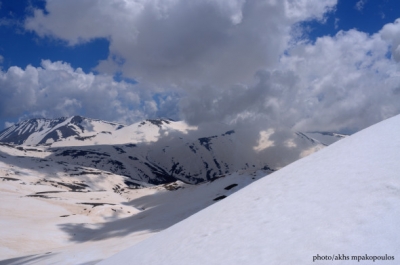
(163, 161)
(160, 162)
(152, 151)
(47, 131)
(338, 205)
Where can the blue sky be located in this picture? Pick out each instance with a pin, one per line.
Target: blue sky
(368, 16)
(20, 47)
(125, 61)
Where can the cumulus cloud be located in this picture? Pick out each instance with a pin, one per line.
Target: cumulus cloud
(56, 89)
(177, 41)
(345, 82)
(340, 83)
(391, 33)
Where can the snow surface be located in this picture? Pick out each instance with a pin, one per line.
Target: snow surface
(342, 200)
(44, 221)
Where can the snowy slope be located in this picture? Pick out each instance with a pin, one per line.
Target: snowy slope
(341, 202)
(62, 214)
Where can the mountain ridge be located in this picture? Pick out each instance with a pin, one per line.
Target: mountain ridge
(153, 151)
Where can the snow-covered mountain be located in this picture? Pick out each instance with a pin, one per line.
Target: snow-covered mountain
(148, 152)
(339, 205)
(47, 131)
(104, 186)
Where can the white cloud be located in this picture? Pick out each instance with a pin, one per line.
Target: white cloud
(345, 82)
(391, 33)
(56, 89)
(172, 42)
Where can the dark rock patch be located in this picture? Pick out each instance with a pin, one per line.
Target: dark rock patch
(193, 148)
(117, 164)
(83, 138)
(80, 153)
(231, 186)
(267, 168)
(9, 179)
(45, 192)
(220, 198)
(86, 173)
(39, 196)
(229, 132)
(206, 142)
(132, 184)
(119, 150)
(74, 186)
(158, 122)
(95, 204)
